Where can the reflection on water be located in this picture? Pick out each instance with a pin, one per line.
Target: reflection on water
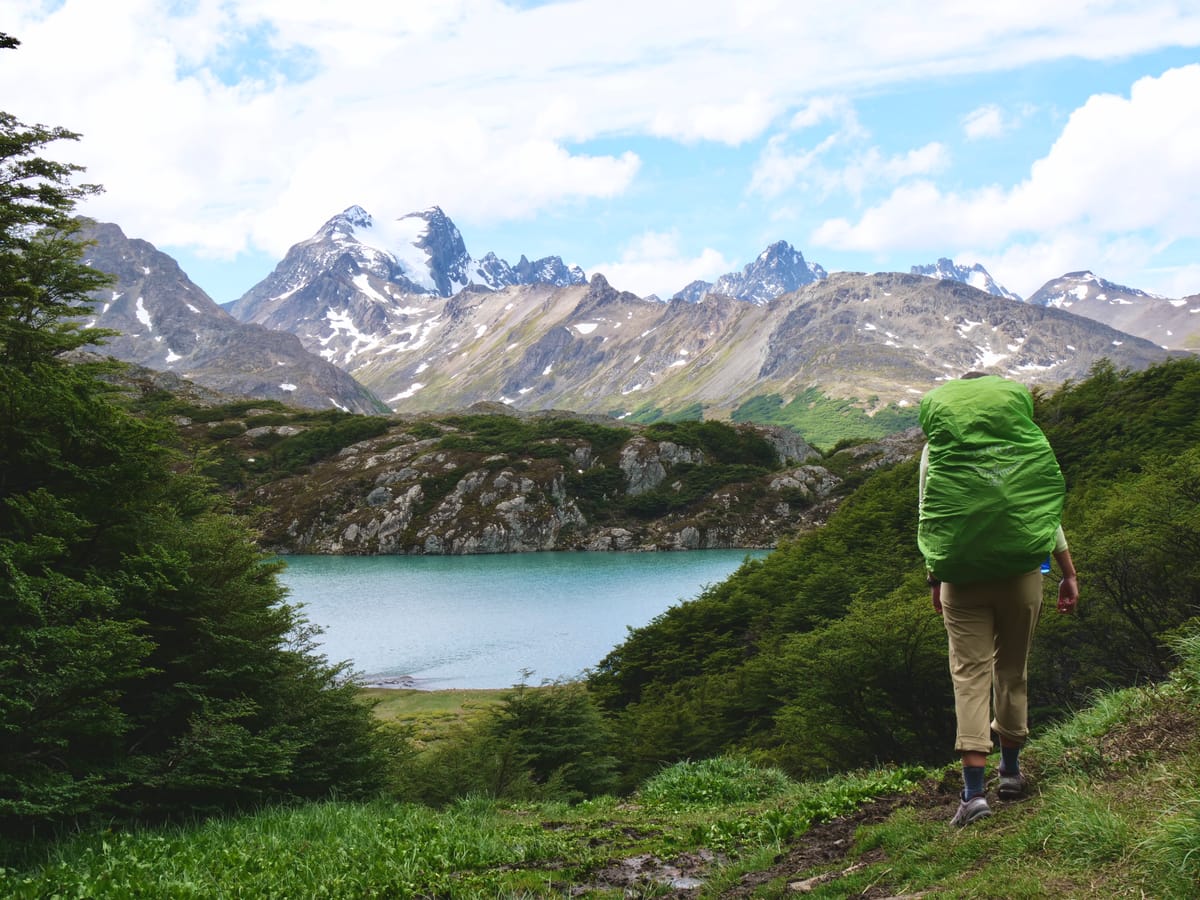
(478, 621)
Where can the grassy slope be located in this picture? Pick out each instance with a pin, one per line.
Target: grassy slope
(430, 716)
(1115, 812)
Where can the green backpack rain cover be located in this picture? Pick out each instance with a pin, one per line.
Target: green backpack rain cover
(993, 490)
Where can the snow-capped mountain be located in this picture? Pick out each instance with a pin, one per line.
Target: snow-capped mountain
(167, 323)
(420, 253)
(358, 282)
(778, 270)
(976, 276)
(369, 299)
(594, 349)
(1173, 324)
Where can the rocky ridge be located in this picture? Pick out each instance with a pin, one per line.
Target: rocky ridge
(1170, 323)
(165, 322)
(593, 348)
(491, 481)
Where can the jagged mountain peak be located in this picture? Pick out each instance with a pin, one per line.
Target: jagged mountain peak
(354, 216)
(361, 279)
(778, 270)
(975, 275)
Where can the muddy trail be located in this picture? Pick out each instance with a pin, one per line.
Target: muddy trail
(822, 848)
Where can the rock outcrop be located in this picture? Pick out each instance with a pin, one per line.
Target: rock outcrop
(479, 482)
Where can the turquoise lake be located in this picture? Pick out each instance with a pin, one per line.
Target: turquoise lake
(478, 621)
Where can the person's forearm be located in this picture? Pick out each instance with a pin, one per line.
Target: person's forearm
(1065, 565)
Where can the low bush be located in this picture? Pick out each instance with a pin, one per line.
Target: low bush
(713, 782)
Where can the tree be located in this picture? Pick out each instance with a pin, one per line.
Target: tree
(1137, 545)
(149, 665)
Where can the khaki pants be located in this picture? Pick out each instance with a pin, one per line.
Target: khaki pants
(990, 627)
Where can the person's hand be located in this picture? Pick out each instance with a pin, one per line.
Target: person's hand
(1068, 594)
(935, 594)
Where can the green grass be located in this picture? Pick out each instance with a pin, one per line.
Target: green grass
(824, 421)
(1115, 812)
(474, 848)
(430, 716)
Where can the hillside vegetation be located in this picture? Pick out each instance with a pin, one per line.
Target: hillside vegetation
(827, 653)
(697, 759)
(1115, 812)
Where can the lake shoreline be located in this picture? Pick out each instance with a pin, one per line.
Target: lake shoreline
(489, 622)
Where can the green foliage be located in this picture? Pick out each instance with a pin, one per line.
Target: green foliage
(719, 781)
(597, 487)
(867, 687)
(1136, 542)
(549, 742)
(235, 410)
(148, 666)
(815, 657)
(43, 285)
(643, 415)
(693, 412)
(316, 443)
(1131, 831)
(824, 421)
(498, 434)
(226, 430)
(1127, 831)
(720, 441)
(688, 484)
(423, 431)
(1111, 423)
(864, 548)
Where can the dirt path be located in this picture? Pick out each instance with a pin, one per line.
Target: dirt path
(822, 847)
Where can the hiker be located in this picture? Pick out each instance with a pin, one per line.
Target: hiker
(991, 496)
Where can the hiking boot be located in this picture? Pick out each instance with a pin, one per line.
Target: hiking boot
(1012, 787)
(971, 810)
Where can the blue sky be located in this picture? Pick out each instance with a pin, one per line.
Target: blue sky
(655, 141)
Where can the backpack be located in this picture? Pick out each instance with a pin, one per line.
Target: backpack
(993, 489)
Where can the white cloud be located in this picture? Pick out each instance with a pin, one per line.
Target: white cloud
(985, 122)
(779, 170)
(653, 263)
(480, 106)
(1096, 187)
(1178, 281)
(728, 123)
(832, 107)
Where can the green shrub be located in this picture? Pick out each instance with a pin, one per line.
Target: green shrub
(317, 443)
(234, 410)
(423, 431)
(274, 418)
(713, 782)
(545, 743)
(695, 483)
(226, 430)
(720, 441)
